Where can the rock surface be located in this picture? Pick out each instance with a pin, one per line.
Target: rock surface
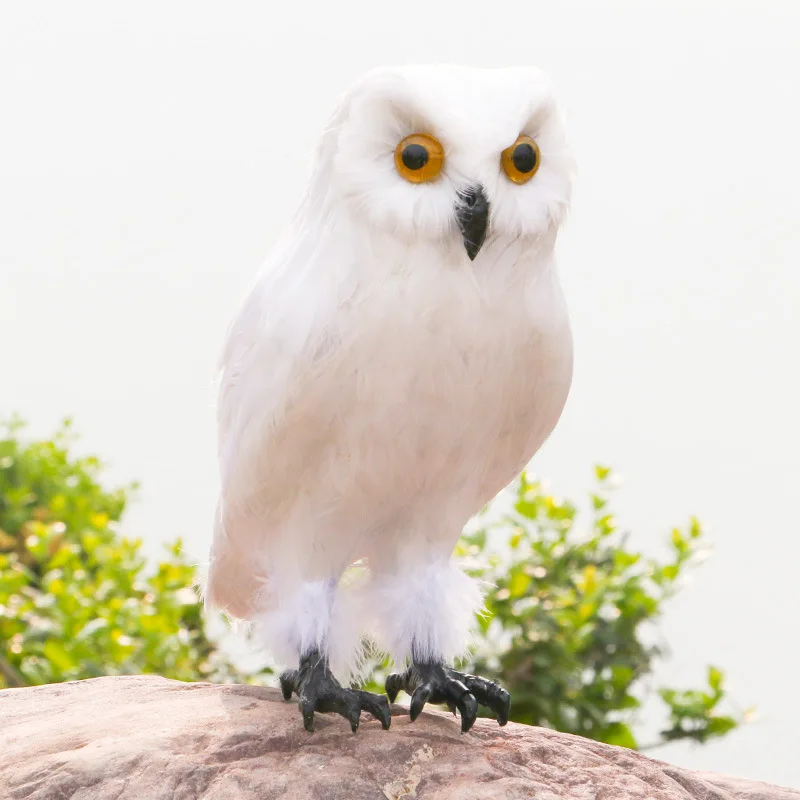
(147, 738)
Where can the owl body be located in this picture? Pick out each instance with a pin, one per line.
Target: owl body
(378, 386)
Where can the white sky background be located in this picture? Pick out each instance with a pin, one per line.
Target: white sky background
(151, 152)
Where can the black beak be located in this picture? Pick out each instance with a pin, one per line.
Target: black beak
(472, 214)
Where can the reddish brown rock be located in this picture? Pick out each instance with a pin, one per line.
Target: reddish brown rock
(147, 738)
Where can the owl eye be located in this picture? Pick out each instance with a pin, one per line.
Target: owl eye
(521, 160)
(419, 158)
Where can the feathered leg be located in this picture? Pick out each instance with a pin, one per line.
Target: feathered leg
(313, 625)
(426, 615)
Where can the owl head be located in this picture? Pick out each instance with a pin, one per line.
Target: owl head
(448, 154)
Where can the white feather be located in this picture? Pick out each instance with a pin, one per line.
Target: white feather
(378, 388)
(313, 616)
(432, 607)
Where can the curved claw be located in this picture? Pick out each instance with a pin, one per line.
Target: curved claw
(378, 706)
(307, 710)
(456, 693)
(504, 709)
(354, 716)
(491, 695)
(468, 706)
(394, 683)
(421, 696)
(288, 681)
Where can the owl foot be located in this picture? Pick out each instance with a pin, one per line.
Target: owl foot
(437, 683)
(318, 690)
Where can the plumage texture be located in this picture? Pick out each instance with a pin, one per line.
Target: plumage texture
(377, 387)
(313, 616)
(432, 606)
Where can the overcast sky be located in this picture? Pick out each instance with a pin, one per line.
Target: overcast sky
(150, 153)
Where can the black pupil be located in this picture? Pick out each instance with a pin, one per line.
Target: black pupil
(524, 157)
(415, 156)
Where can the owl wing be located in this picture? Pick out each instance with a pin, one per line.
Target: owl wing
(272, 380)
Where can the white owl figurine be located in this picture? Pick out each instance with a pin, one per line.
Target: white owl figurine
(402, 355)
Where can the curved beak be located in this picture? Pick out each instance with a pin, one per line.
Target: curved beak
(472, 214)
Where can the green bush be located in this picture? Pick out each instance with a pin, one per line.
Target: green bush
(566, 618)
(76, 599)
(564, 628)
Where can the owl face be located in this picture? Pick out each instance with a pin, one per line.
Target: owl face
(448, 153)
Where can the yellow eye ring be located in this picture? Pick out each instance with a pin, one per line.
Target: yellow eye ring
(419, 158)
(521, 160)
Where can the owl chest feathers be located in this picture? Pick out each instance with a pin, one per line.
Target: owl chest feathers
(433, 380)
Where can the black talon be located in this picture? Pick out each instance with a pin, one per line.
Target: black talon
(468, 706)
(394, 683)
(354, 716)
(491, 695)
(288, 679)
(318, 690)
(436, 683)
(307, 710)
(421, 696)
(377, 705)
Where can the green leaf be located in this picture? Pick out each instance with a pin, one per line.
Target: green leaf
(719, 726)
(527, 509)
(715, 678)
(620, 735)
(602, 473)
(519, 584)
(671, 571)
(55, 652)
(678, 541)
